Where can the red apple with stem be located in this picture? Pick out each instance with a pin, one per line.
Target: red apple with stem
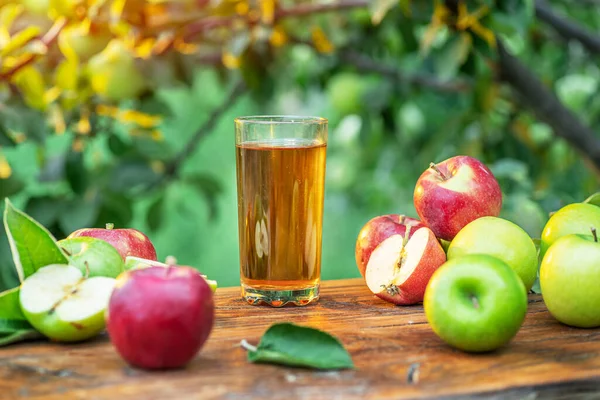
(450, 194)
(128, 242)
(400, 267)
(160, 317)
(376, 231)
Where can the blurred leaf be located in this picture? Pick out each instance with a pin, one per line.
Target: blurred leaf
(208, 187)
(75, 172)
(154, 216)
(6, 139)
(115, 208)
(379, 8)
(45, 209)
(10, 186)
(117, 146)
(453, 55)
(19, 39)
(78, 213)
(30, 82)
(53, 169)
(132, 174)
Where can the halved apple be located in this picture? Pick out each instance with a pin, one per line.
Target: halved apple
(400, 268)
(64, 305)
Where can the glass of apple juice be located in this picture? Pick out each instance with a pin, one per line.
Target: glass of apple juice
(280, 162)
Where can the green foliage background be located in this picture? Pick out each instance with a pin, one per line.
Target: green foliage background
(383, 132)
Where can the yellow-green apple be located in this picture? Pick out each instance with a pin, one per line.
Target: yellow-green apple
(573, 218)
(160, 317)
(569, 277)
(128, 242)
(63, 305)
(376, 231)
(455, 192)
(132, 263)
(399, 268)
(475, 303)
(502, 239)
(93, 256)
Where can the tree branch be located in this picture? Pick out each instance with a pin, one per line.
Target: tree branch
(547, 106)
(365, 64)
(46, 40)
(566, 28)
(173, 167)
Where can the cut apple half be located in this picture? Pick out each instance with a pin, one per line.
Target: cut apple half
(63, 305)
(399, 270)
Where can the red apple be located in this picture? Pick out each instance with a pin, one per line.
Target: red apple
(400, 268)
(128, 242)
(376, 231)
(160, 317)
(455, 192)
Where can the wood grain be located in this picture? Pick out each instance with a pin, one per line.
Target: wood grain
(546, 359)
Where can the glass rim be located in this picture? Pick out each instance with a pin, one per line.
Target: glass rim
(280, 119)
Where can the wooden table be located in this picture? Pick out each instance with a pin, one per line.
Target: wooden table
(545, 359)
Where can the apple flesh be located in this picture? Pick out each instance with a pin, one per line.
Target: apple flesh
(569, 276)
(63, 305)
(400, 268)
(455, 192)
(128, 242)
(160, 317)
(93, 257)
(376, 231)
(475, 303)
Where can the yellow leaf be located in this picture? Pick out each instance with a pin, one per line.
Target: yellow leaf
(51, 94)
(67, 74)
(278, 37)
(156, 135)
(57, 120)
(438, 19)
(230, 61)
(267, 11)
(484, 33)
(320, 40)
(20, 39)
(5, 169)
(8, 14)
(139, 118)
(185, 48)
(116, 9)
(83, 125)
(31, 83)
(242, 8)
(107, 111)
(144, 49)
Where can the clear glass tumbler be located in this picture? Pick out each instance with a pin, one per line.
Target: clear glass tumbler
(280, 164)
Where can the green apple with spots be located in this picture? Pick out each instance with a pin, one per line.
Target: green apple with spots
(502, 239)
(93, 256)
(64, 305)
(475, 303)
(576, 218)
(569, 278)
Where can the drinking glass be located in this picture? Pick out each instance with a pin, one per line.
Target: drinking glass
(280, 163)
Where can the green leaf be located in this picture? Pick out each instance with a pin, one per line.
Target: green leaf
(209, 187)
(20, 336)
(299, 346)
(10, 186)
(131, 174)
(453, 55)
(155, 213)
(78, 213)
(75, 172)
(10, 308)
(31, 244)
(379, 8)
(593, 199)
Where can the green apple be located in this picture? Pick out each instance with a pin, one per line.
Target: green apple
(63, 305)
(502, 239)
(99, 256)
(475, 303)
(569, 277)
(574, 218)
(132, 263)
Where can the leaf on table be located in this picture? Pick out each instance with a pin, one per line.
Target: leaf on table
(13, 325)
(299, 346)
(10, 308)
(32, 246)
(20, 336)
(593, 199)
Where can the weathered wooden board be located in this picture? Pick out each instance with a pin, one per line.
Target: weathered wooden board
(545, 359)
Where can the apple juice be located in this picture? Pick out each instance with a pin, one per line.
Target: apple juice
(280, 212)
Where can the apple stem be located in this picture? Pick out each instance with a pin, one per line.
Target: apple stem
(594, 234)
(475, 301)
(402, 219)
(436, 169)
(110, 226)
(244, 344)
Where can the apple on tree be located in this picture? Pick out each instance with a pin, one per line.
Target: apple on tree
(475, 303)
(128, 242)
(569, 277)
(376, 231)
(450, 194)
(400, 267)
(63, 304)
(160, 317)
